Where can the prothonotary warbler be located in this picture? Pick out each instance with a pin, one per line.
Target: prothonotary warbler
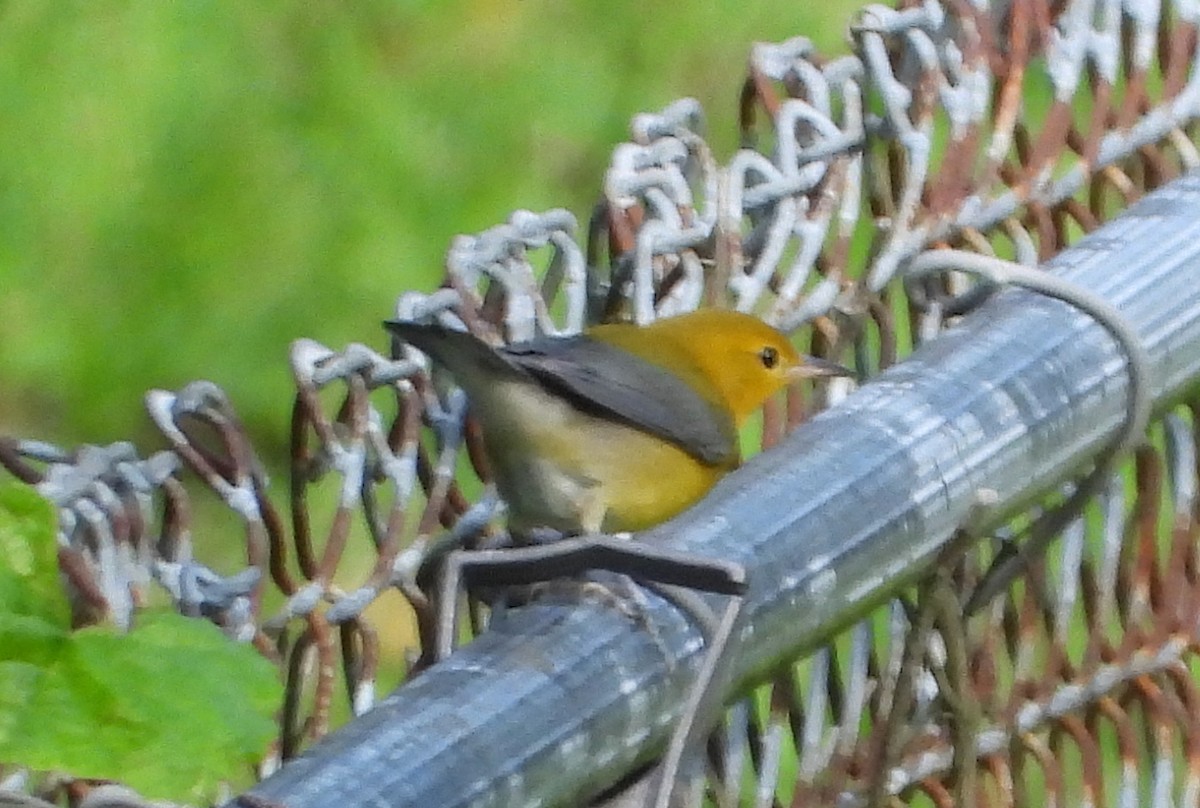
(621, 427)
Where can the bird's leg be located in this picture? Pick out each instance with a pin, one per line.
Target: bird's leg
(617, 590)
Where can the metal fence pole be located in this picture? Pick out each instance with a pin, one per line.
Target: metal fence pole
(557, 700)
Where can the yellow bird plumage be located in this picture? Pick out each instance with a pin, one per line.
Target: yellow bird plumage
(622, 427)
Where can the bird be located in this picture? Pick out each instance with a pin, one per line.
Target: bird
(621, 427)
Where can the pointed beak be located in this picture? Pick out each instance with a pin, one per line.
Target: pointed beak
(812, 367)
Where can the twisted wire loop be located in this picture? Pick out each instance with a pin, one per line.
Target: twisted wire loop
(1009, 129)
(107, 549)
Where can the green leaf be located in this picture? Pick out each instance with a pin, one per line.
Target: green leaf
(172, 708)
(30, 640)
(208, 700)
(29, 584)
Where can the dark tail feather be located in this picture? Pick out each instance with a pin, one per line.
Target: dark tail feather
(466, 356)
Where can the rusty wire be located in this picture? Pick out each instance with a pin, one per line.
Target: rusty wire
(1007, 129)
(1054, 673)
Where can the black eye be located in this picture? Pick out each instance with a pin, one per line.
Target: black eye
(769, 357)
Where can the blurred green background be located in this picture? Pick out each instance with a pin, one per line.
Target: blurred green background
(187, 187)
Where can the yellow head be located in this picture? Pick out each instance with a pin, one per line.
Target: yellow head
(732, 359)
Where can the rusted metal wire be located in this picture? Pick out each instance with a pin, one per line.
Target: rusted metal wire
(1062, 673)
(1008, 129)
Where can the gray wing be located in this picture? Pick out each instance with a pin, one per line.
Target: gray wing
(463, 354)
(607, 381)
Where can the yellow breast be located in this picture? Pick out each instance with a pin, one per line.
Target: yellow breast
(574, 472)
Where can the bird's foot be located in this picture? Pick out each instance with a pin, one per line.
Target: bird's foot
(609, 589)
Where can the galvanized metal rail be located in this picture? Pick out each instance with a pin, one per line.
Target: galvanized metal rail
(558, 700)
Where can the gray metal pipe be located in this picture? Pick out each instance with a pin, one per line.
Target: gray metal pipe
(559, 699)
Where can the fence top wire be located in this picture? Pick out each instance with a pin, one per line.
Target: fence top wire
(932, 132)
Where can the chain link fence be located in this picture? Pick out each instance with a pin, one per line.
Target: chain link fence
(1009, 129)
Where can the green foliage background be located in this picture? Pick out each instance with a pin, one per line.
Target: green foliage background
(114, 705)
(187, 187)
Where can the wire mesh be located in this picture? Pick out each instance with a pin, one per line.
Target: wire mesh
(1006, 128)
(1080, 687)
